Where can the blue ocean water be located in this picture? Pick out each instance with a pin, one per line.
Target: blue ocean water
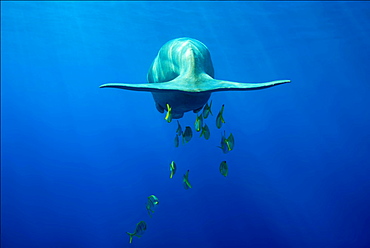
(78, 162)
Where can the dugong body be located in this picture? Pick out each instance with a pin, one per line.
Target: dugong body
(182, 76)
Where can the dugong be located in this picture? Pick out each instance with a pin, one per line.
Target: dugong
(182, 76)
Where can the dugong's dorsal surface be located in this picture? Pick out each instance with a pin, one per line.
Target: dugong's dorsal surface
(182, 76)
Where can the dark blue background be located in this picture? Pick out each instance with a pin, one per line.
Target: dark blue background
(78, 162)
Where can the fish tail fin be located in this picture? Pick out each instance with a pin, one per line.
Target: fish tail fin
(131, 235)
(210, 108)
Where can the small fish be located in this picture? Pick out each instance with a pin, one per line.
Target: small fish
(205, 132)
(227, 144)
(187, 134)
(223, 168)
(151, 204)
(220, 118)
(177, 142)
(139, 230)
(179, 129)
(172, 169)
(168, 117)
(207, 110)
(185, 181)
(198, 123)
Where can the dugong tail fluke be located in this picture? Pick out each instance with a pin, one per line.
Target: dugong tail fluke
(182, 76)
(208, 85)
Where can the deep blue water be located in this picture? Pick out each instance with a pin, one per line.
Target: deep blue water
(78, 162)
